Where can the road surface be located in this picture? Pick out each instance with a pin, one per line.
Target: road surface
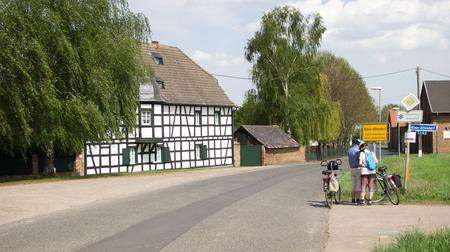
(277, 209)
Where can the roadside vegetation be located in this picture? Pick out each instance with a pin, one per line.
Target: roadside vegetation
(419, 241)
(429, 181)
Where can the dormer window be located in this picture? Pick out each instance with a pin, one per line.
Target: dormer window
(157, 58)
(160, 83)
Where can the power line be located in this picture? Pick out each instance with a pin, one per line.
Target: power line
(441, 74)
(232, 77)
(348, 79)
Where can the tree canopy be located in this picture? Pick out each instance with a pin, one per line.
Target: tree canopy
(69, 72)
(290, 90)
(349, 90)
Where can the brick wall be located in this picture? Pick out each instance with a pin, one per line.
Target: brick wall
(283, 156)
(78, 169)
(236, 153)
(441, 145)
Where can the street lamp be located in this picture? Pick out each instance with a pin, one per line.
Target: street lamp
(396, 109)
(379, 115)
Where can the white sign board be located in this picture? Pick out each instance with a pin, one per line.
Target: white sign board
(410, 137)
(446, 134)
(410, 101)
(410, 116)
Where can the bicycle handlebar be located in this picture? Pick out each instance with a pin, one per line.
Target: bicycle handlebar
(338, 161)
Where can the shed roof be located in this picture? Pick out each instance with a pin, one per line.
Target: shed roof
(438, 93)
(185, 82)
(271, 136)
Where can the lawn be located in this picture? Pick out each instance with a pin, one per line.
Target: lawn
(418, 241)
(429, 183)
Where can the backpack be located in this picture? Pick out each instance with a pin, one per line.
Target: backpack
(358, 153)
(370, 161)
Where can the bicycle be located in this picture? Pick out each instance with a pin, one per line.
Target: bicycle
(332, 166)
(385, 187)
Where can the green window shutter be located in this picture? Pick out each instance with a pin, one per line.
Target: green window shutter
(126, 156)
(203, 153)
(165, 154)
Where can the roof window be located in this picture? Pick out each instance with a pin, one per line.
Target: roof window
(160, 83)
(158, 58)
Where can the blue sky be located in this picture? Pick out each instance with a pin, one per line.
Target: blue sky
(376, 37)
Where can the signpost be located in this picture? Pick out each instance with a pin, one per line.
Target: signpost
(423, 127)
(410, 116)
(376, 132)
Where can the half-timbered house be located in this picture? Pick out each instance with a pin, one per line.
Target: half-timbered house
(184, 120)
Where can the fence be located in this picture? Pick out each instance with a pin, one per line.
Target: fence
(313, 153)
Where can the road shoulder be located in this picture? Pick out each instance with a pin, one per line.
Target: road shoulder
(360, 228)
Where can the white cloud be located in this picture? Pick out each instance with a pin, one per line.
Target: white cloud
(368, 24)
(220, 59)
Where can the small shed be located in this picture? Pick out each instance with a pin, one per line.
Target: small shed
(256, 145)
(435, 103)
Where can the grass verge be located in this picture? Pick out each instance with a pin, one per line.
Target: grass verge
(419, 241)
(430, 176)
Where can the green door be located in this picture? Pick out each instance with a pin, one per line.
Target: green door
(250, 155)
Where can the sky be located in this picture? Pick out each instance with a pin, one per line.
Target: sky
(375, 36)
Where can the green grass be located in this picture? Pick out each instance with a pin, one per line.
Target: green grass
(418, 241)
(429, 183)
(58, 178)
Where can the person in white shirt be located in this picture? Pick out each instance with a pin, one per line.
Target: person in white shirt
(367, 176)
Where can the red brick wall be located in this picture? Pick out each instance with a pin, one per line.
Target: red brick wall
(441, 145)
(283, 156)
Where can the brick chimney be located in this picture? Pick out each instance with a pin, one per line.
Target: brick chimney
(155, 44)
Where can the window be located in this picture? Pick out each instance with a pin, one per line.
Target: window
(146, 117)
(128, 156)
(160, 83)
(158, 58)
(198, 117)
(162, 154)
(200, 152)
(217, 118)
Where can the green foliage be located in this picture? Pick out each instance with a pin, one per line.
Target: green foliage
(69, 72)
(429, 178)
(385, 111)
(291, 92)
(415, 241)
(349, 90)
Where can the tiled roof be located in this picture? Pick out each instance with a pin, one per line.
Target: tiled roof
(438, 94)
(185, 82)
(271, 136)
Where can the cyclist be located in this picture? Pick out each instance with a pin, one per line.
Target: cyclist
(367, 176)
(353, 163)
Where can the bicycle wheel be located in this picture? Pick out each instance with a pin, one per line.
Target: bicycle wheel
(337, 196)
(380, 190)
(392, 193)
(328, 199)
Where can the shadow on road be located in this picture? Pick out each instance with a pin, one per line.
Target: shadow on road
(315, 203)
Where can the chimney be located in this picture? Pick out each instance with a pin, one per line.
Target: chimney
(155, 44)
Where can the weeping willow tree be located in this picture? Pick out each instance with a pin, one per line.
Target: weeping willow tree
(69, 73)
(290, 88)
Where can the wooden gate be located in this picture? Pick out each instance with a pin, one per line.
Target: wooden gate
(251, 155)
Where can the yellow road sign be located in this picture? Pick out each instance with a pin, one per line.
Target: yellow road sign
(375, 132)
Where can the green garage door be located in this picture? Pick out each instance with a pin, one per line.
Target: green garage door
(250, 155)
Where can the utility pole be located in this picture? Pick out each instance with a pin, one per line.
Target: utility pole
(419, 152)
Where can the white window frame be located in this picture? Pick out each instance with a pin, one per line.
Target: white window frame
(146, 117)
(197, 151)
(216, 117)
(197, 117)
(133, 156)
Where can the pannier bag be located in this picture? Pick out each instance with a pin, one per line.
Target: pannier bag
(334, 184)
(397, 180)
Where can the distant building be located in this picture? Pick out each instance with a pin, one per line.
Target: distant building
(435, 103)
(256, 145)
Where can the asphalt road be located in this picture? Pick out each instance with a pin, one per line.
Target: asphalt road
(279, 209)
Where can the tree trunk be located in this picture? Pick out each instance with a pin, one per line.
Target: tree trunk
(50, 168)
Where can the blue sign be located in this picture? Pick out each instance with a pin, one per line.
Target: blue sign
(423, 127)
